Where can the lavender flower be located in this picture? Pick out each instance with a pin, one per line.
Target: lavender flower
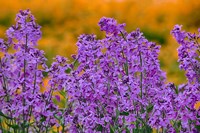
(110, 26)
(115, 84)
(117, 78)
(21, 77)
(188, 53)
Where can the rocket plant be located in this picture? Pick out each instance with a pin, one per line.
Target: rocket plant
(114, 84)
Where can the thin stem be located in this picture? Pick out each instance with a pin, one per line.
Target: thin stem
(123, 36)
(63, 127)
(47, 102)
(4, 83)
(39, 129)
(1, 126)
(46, 129)
(126, 64)
(126, 71)
(24, 84)
(141, 74)
(57, 129)
(34, 88)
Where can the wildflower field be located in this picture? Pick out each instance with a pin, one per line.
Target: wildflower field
(113, 85)
(63, 21)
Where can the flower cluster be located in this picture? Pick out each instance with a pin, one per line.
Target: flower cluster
(189, 93)
(117, 80)
(21, 75)
(115, 84)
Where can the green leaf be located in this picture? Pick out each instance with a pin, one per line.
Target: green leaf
(5, 131)
(99, 127)
(12, 126)
(25, 125)
(2, 114)
(123, 36)
(124, 113)
(176, 90)
(68, 70)
(43, 118)
(45, 74)
(188, 108)
(117, 114)
(58, 118)
(126, 68)
(177, 126)
(112, 129)
(63, 93)
(127, 130)
(197, 127)
(149, 108)
(76, 63)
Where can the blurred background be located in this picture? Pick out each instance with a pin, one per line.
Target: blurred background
(63, 21)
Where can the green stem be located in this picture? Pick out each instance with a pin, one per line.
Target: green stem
(24, 85)
(57, 129)
(47, 102)
(63, 127)
(1, 126)
(4, 83)
(46, 129)
(141, 74)
(34, 88)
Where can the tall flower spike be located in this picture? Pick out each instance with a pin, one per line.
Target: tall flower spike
(3, 46)
(189, 53)
(117, 77)
(25, 29)
(188, 94)
(110, 26)
(21, 76)
(114, 85)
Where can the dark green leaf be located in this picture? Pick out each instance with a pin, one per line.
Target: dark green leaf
(126, 68)
(43, 118)
(149, 108)
(12, 126)
(176, 90)
(197, 127)
(127, 130)
(124, 113)
(188, 108)
(112, 129)
(117, 114)
(45, 74)
(99, 128)
(25, 125)
(76, 63)
(63, 93)
(2, 114)
(58, 118)
(68, 71)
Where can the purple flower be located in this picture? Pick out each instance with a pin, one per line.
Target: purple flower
(25, 29)
(115, 84)
(110, 26)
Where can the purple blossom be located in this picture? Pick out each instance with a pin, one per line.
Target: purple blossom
(110, 26)
(115, 84)
(188, 95)
(25, 29)
(22, 75)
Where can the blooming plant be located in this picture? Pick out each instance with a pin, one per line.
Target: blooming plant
(115, 84)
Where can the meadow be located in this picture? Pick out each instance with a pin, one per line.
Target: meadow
(112, 84)
(63, 21)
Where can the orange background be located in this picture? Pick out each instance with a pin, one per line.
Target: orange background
(63, 21)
